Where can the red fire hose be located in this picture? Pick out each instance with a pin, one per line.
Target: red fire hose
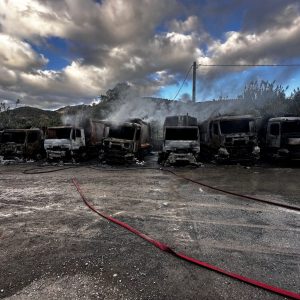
(275, 203)
(166, 248)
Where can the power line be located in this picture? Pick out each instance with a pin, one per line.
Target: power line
(232, 65)
(249, 65)
(186, 76)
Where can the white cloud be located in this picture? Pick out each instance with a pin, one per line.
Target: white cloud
(273, 45)
(191, 24)
(76, 80)
(30, 18)
(16, 54)
(8, 77)
(116, 41)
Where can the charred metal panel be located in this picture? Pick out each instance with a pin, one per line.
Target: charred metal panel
(281, 138)
(126, 141)
(21, 143)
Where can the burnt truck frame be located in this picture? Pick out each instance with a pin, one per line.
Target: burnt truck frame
(22, 143)
(281, 138)
(126, 142)
(72, 142)
(230, 139)
(181, 141)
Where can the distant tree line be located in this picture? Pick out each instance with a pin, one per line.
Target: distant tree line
(269, 98)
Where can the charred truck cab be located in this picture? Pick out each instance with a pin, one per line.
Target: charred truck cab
(230, 138)
(71, 142)
(282, 140)
(126, 142)
(21, 143)
(181, 143)
(64, 142)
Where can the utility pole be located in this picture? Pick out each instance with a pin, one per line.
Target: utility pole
(194, 81)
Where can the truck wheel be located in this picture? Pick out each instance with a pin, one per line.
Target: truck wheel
(160, 158)
(140, 155)
(38, 157)
(83, 156)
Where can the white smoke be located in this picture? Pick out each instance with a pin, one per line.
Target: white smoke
(156, 110)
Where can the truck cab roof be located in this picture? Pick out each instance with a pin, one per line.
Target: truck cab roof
(284, 119)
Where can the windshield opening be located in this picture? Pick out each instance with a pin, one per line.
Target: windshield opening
(58, 133)
(291, 127)
(124, 133)
(33, 136)
(14, 137)
(183, 134)
(235, 126)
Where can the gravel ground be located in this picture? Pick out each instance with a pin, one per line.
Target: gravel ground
(53, 247)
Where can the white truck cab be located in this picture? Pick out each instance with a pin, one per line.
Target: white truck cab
(64, 141)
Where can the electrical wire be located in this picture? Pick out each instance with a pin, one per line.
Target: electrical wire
(248, 65)
(186, 76)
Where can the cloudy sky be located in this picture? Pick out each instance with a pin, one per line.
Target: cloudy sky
(63, 52)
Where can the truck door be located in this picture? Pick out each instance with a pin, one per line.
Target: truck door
(77, 138)
(215, 135)
(137, 141)
(33, 143)
(273, 135)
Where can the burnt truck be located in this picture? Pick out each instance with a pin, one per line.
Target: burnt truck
(280, 138)
(181, 141)
(22, 143)
(230, 139)
(72, 142)
(126, 142)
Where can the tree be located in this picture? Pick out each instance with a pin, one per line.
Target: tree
(265, 97)
(3, 107)
(121, 90)
(294, 102)
(18, 101)
(263, 91)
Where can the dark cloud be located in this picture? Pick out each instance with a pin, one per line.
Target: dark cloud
(147, 43)
(263, 15)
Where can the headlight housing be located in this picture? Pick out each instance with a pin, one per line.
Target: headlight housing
(256, 150)
(223, 152)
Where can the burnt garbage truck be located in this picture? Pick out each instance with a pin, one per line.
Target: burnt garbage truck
(22, 143)
(126, 142)
(230, 139)
(181, 141)
(280, 138)
(74, 143)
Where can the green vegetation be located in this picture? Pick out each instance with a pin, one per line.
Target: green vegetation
(27, 117)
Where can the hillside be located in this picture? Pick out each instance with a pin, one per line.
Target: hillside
(150, 109)
(26, 117)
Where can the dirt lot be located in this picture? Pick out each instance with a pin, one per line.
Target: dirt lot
(53, 247)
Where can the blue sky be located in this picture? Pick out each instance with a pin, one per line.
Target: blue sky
(57, 53)
(56, 50)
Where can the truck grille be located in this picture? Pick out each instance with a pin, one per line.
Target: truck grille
(239, 152)
(115, 147)
(294, 148)
(240, 143)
